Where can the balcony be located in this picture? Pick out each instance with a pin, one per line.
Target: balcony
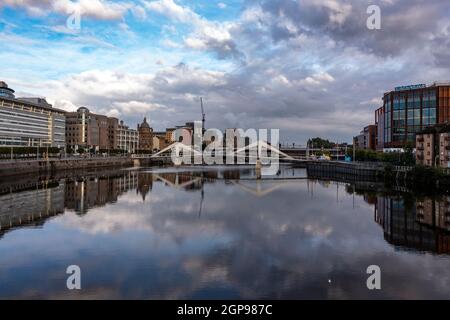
(420, 148)
(420, 157)
(421, 139)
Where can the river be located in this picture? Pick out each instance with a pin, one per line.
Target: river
(219, 233)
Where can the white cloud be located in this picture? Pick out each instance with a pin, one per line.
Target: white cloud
(97, 9)
(207, 35)
(304, 66)
(130, 107)
(170, 44)
(339, 11)
(221, 5)
(172, 10)
(317, 79)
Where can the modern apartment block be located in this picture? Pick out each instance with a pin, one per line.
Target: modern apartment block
(434, 212)
(366, 140)
(433, 146)
(408, 110)
(128, 139)
(159, 140)
(170, 135)
(29, 122)
(88, 130)
(425, 149)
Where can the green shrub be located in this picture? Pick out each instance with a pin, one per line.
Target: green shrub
(397, 158)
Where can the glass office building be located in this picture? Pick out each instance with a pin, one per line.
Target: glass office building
(6, 92)
(30, 122)
(408, 110)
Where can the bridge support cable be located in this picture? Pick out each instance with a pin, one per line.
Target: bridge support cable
(260, 145)
(177, 145)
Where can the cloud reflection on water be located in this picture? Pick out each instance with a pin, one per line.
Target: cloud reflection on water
(286, 244)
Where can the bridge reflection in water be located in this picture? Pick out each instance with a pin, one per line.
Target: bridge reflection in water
(30, 202)
(408, 223)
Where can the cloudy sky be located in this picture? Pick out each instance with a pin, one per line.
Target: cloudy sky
(307, 67)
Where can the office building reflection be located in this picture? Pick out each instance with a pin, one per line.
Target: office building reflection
(31, 202)
(83, 194)
(420, 225)
(31, 207)
(434, 213)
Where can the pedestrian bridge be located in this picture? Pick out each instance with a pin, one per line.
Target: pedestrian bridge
(250, 154)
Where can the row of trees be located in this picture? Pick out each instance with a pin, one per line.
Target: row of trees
(319, 143)
(395, 158)
(82, 150)
(54, 151)
(405, 158)
(28, 150)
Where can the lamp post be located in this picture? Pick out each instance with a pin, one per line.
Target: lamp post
(435, 160)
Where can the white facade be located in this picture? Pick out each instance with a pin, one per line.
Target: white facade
(128, 139)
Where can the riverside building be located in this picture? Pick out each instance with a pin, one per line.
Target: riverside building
(433, 146)
(128, 138)
(29, 122)
(90, 131)
(145, 137)
(408, 110)
(366, 140)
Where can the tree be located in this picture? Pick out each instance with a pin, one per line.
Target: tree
(321, 143)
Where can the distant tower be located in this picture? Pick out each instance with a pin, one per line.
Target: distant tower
(145, 136)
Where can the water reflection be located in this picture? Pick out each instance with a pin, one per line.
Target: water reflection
(32, 206)
(218, 233)
(29, 202)
(416, 224)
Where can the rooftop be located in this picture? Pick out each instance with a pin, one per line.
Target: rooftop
(3, 85)
(413, 87)
(48, 107)
(144, 124)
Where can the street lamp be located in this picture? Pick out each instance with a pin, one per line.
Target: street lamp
(435, 160)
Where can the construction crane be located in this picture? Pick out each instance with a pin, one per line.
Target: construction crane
(203, 115)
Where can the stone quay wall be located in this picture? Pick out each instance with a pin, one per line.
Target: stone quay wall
(21, 167)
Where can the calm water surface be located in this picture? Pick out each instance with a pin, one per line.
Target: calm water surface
(217, 233)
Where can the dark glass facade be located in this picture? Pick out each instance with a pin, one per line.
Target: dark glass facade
(406, 112)
(6, 92)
